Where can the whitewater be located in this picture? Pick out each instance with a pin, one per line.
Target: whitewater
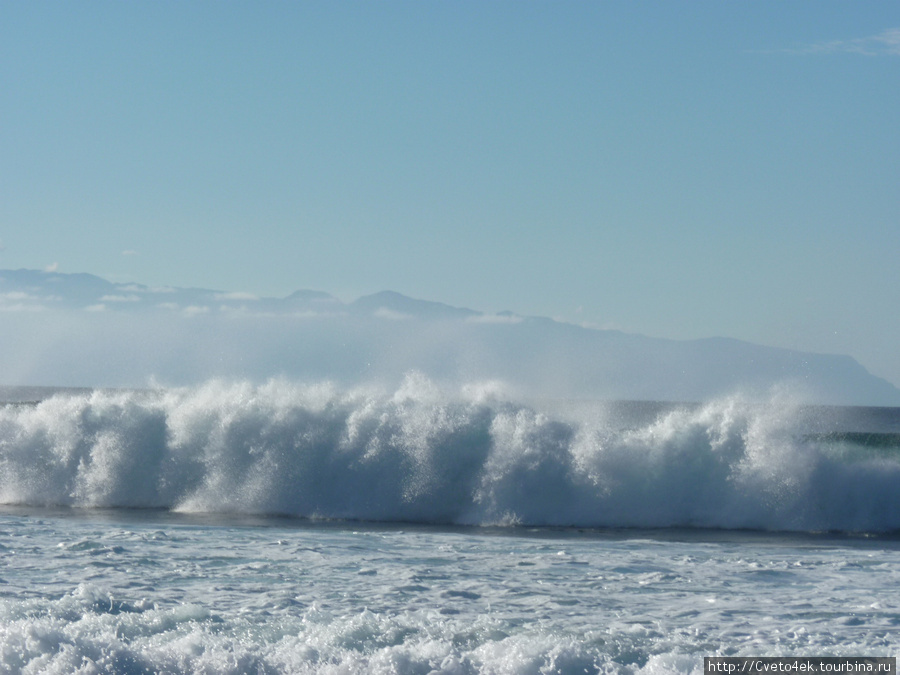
(293, 527)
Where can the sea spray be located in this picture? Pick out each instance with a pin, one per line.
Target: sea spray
(428, 454)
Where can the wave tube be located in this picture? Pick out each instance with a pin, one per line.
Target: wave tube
(422, 454)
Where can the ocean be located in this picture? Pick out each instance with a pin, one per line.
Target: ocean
(286, 527)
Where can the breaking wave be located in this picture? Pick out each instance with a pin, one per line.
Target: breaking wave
(424, 454)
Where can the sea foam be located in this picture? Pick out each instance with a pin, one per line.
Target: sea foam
(422, 453)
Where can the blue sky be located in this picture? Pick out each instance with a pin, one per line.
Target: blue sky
(675, 169)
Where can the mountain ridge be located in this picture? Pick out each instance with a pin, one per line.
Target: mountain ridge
(120, 334)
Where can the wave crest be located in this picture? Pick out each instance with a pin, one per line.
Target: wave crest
(423, 454)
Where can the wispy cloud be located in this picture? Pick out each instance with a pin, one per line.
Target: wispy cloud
(390, 314)
(18, 301)
(195, 310)
(136, 288)
(885, 43)
(494, 318)
(237, 295)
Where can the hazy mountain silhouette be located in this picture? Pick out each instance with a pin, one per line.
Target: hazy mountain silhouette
(81, 330)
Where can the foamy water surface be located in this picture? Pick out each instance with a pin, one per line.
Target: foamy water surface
(125, 592)
(305, 528)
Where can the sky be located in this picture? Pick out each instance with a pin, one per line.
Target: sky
(680, 170)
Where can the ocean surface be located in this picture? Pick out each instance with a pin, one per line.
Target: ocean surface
(307, 528)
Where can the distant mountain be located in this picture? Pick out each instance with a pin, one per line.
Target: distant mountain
(81, 330)
(395, 305)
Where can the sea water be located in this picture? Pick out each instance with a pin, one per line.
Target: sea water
(309, 528)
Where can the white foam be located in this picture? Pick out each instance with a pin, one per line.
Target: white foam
(137, 593)
(422, 453)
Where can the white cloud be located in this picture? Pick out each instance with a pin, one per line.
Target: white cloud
(194, 310)
(120, 298)
(885, 43)
(21, 307)
(157, 289)
(17, 301)
(890, 39)
(610, 325)
(137, 288)
(392, 315)
(100, 307)
(16, 295)
(129, 252)
(52, 267)
(237, 295)
(494, 318)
